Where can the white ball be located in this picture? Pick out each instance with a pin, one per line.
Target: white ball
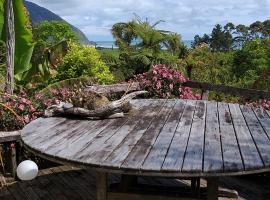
(27, 170)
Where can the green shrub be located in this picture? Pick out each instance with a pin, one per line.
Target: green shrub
(84, 61)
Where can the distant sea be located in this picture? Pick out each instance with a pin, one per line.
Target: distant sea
(111, 44)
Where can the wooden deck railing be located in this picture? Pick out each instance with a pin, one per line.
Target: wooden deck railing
(247, 93)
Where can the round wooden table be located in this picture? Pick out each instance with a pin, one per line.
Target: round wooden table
(159, 137)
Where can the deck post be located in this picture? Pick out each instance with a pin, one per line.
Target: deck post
(195, 187)
(101, 185)
(212, 188)
(13, 160)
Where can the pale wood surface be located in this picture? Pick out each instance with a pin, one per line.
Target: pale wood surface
(160, 138)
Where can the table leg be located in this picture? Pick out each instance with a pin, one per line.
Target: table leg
(195, 187)
(101, 185)
(212, 188)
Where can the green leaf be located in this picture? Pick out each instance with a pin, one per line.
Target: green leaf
(1, 17)
(24, 44)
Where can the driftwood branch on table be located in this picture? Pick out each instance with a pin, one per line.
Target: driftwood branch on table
(107, 111)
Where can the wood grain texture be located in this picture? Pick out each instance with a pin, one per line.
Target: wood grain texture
(92, 151)
(156, 157)
(140, 151)
(258, 134)
(193, 160)
(249, 93)
(120, 153)
(250, 155)
(232, 159)
(175, 157)
(160, 137)
(212, 146)
(121, 136)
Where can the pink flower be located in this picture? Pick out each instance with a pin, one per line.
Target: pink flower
(38, 96)
(158, 85)
(21, 107)
(171, 86)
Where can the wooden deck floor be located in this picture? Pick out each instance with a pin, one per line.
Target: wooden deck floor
(66, 183)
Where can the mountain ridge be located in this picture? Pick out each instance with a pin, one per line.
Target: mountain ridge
(38, 14)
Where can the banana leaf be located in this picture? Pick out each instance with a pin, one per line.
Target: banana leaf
(24, 44)
(1, 17)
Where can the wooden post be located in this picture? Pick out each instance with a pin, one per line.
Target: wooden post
(212, 188)
(101, 184)
(13, 161)
(195, 187)
(10, 45)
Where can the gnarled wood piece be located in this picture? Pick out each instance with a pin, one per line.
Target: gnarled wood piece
(104, 112)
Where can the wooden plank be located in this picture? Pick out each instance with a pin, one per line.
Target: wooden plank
(232, 159)
(175, 156)
(101, 182)
(249, 93)
(71, 189)
(138, 154)
(119, 154)
(89, 148)
(41, 124)
(51, 183)
(259, 136)
(101, 152)
(10, 136)
(57, 133)
(264, 119)
(136, 196)
(62, 137)
(40, 128)
(87, 133)
(45, 180)
(156, 156)
(250, 155)
(213, 161)
(193, 161)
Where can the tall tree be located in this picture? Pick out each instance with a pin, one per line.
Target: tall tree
(266, 28)
(256, 29)
(217, 38)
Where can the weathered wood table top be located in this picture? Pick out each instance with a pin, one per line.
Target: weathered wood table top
(160, 137)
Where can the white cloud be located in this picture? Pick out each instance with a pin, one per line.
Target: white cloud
(187, 17)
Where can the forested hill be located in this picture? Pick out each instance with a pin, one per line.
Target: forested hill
(38, 13)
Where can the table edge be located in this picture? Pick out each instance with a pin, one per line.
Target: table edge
(137, 172)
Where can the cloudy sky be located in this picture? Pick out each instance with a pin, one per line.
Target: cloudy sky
(187, 17)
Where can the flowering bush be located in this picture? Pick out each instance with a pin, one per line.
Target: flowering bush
(260, 103)
(16, 111)
(162, 82)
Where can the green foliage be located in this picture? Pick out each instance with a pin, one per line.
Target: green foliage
(141, 45)
(251, 64)
(84, 61)
(44, 65)
(48, 33)
(23, 37)
(233, 36)
(206, 66)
